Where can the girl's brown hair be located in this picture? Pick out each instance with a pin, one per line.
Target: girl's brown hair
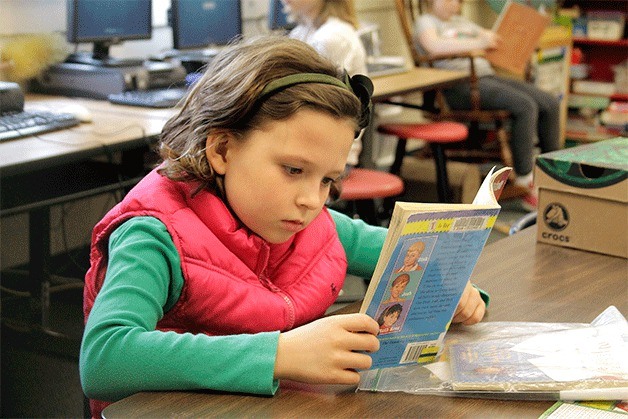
(224, 102)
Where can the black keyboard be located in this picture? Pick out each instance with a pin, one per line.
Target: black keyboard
(156, 98)
(22, 124)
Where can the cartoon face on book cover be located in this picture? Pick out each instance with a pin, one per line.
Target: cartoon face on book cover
(403, 283)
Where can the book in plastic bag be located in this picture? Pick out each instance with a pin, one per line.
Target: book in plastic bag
(589, 380)
(426, 261)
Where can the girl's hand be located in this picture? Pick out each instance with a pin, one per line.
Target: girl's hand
(326, 350)
(471, 307)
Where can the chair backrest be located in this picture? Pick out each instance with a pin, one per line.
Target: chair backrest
(407, 12)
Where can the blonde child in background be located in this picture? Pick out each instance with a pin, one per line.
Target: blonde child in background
(330, 26)
(214, 272)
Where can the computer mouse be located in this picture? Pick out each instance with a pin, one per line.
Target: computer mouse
(79, 111)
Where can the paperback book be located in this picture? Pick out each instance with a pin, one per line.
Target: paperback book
(426, 261)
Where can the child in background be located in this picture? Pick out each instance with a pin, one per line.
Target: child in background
(535, 113)
(330, 26)
(215, 270)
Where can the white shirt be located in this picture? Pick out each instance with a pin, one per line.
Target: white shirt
(336, 40)
(465, 31)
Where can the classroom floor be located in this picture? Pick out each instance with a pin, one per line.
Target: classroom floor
(39, 377)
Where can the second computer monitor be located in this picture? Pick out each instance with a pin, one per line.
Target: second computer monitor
(203, 23)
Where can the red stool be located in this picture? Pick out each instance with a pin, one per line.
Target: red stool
(437, 134)
(363, 186)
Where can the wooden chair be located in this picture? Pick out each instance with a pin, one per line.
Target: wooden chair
(436, 106)
(362, 187)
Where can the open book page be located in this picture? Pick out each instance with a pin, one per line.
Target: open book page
(520, 28)
(428, 256)
(492, 187)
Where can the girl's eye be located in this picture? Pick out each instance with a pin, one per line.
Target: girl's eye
(293, 170)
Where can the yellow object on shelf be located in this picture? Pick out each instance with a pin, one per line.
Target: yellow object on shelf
(23, 57)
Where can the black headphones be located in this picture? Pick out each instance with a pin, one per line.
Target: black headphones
(360, 85)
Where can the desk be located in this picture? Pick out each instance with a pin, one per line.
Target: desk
(417, 79)
(116, 128)
(527, 282)
(38, 172)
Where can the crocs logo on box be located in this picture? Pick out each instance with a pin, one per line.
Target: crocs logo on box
(556, 217)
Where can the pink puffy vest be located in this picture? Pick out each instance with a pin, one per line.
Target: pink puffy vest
(235, 282)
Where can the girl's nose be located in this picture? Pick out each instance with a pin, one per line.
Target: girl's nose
(312, 196)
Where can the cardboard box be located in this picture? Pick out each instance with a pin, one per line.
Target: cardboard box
(583, 197)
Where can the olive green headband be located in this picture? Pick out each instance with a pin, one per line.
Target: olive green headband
(360, 85)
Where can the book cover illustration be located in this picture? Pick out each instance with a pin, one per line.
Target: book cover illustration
(426, 261)
(403, 284)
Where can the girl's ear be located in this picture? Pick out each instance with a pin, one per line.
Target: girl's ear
(216, 152)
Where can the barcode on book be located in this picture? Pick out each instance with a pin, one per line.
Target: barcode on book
(469, 223)
(419, 352)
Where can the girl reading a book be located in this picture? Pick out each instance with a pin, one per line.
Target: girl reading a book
(215, 270)
(535, 113)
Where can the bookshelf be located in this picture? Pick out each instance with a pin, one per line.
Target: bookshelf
(602, 49)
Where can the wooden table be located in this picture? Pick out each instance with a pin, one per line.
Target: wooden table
(416, 79)
(528, 281)
(114, 128)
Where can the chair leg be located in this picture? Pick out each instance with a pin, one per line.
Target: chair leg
(400, 153)
(474, 140)
(366, 210)
(442, 178)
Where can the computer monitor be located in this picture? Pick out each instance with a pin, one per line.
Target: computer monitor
(277, 17)
(200, 24)
(105, 23)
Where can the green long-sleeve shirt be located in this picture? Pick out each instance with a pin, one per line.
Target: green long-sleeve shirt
(121, 352)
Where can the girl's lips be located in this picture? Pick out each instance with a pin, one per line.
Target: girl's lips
(292, 225)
